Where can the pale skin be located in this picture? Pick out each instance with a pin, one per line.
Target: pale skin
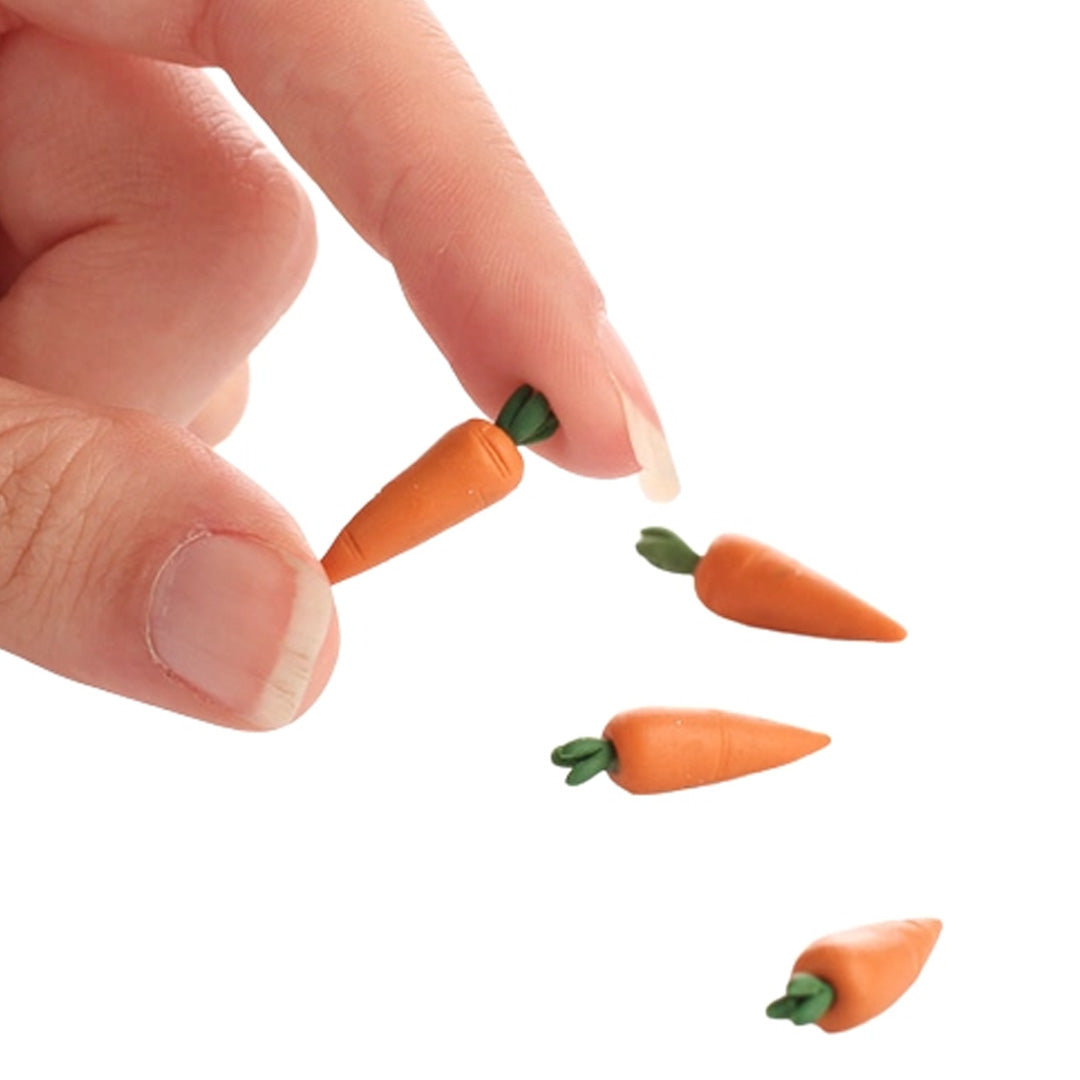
(148, 242)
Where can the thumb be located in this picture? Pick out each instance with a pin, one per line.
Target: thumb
(134, 559)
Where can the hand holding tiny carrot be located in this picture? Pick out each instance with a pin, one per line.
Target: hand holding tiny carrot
(647, 751)
(748, 582)
(847, 978)
(121, 152)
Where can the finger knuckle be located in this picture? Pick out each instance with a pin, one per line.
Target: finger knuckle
(271, 214)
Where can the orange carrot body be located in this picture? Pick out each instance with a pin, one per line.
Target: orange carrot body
(868, 967)
(749, 582)
(668, 749)
(472, 466)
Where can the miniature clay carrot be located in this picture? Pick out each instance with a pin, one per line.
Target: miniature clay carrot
(847, 978)
(472, 466)
(749, 582)
(647, 751)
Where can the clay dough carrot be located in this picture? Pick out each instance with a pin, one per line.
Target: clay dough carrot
(748, 582)
(845, 979)
(472, 466)
(647, 751)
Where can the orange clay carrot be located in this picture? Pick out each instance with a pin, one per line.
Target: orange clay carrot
(647, 751)
(472, 466)
(847, 978)
(748, 582)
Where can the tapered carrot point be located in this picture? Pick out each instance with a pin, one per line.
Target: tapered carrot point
(847, 978)
(471, 467)
(749, 582)
(648, 751)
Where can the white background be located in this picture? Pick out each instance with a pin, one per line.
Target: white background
(842, 240)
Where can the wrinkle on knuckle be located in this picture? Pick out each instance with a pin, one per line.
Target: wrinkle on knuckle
(388, 214)
(277, 210)
(447, 188)
(251, 210)
(450, 156)
(202, 35)
(50, 479)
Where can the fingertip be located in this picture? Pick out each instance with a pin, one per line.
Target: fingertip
(609, 425)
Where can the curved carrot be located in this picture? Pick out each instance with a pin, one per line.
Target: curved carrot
(847, 978)
(647, 751)
(749, 582)
(472, 466)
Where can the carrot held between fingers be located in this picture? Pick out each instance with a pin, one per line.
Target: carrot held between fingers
(471, 467)
(847, 978)
(748, 582)
(647, 751)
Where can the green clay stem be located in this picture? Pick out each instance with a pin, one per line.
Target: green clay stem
(585, 758)
(667, 551)
(527, 417)
(807, 1000)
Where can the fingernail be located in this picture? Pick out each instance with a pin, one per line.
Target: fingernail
(657, 477)
(241, 623)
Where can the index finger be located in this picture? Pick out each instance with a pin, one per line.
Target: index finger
(375, 103)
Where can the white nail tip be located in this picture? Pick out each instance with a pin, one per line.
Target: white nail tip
(287, 684)
(658, 479)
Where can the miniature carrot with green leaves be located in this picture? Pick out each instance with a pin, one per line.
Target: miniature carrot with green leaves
(748, 582)
(847, 978)
(647, 751)
(471, 467)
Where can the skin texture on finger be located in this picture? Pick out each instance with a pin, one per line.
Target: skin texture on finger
(376, 104)
(134, 559)
(155, 240)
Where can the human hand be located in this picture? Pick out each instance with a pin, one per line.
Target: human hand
(147, 243)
